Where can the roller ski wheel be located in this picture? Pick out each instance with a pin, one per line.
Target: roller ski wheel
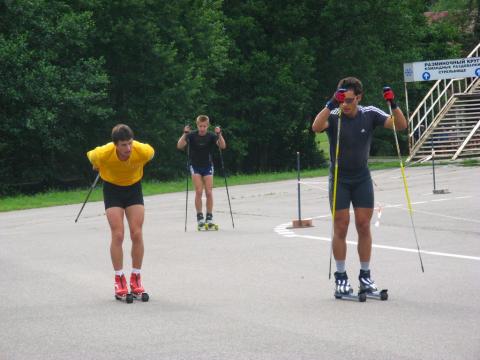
(361, 297)
(368, 287)
(127, 298)
(201, 226)
(377, 295)
(211, 226)
(144, 297)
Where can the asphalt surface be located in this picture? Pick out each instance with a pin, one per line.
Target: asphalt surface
(259, 291)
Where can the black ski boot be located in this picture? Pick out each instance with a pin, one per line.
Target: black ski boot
(367, 285)
(342, 285)
(209, 224)
(200, 221)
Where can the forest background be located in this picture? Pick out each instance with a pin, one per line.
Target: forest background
(261, 69)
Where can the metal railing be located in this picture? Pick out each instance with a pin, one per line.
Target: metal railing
(437, 101)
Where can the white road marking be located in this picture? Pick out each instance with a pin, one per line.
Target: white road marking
(283, 231)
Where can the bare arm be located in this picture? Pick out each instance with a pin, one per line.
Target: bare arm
(182, 142)
(321, 120)
(396, 114)
(221, 142)
(399, 118)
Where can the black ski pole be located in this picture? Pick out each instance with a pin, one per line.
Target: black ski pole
(88, 195)
(186, 190)
(226, 186)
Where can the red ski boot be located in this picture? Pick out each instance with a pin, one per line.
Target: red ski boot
(136, 287)
(121, 290)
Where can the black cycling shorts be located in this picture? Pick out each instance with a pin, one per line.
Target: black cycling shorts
(122, 196)
(357, 190)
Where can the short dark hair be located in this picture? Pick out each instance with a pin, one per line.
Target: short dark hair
(351, 83)
(121, 132)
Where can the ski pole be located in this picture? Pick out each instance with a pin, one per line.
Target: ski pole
(226, 186)
(335, 180)
(187, 153)
(88, 195)
(186, 188)
(410, 210)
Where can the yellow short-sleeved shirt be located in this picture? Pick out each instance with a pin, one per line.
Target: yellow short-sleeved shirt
(116, 171)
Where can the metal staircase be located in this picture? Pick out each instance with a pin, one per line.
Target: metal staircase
(447, 120)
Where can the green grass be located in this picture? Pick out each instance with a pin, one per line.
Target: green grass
(471, 162)
(322, 144)
(54, 198)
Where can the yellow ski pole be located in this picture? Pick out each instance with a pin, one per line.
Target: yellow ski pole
(335, 180)
(410, 210)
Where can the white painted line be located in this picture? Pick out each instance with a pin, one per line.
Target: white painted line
(281, 230)
(444, 216)
(396, 248)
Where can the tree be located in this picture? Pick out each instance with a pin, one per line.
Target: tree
(266, 94)
(50, 91)
(164, 59)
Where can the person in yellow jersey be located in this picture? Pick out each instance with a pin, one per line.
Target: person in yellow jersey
(120, 164)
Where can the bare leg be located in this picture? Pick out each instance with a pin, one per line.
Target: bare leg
(115, 220)
(339, 244)
(363, 217)
(198, 184)
(208, 180)
(135, 215)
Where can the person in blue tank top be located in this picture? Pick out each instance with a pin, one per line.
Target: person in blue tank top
(354, 184)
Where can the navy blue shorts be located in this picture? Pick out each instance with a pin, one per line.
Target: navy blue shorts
(204, 171)
(122, 196)
(357, 190)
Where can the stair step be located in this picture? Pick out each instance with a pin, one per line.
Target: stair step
(453, 128)
(453, 122)
(469, 145)
(438, 151)
(456, 124)
(452, 131)
(466, 102)
(463, 111)
(467, 105)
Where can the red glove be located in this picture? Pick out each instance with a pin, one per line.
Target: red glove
(340, 95)
(337, 99)
(389, 96)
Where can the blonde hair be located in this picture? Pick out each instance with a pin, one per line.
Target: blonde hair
(202, 118)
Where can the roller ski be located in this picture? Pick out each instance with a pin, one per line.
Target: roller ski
(200, 222)
(121, 290)
(368, 288)
(137, 290)
(344, 291)
(209, 224)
